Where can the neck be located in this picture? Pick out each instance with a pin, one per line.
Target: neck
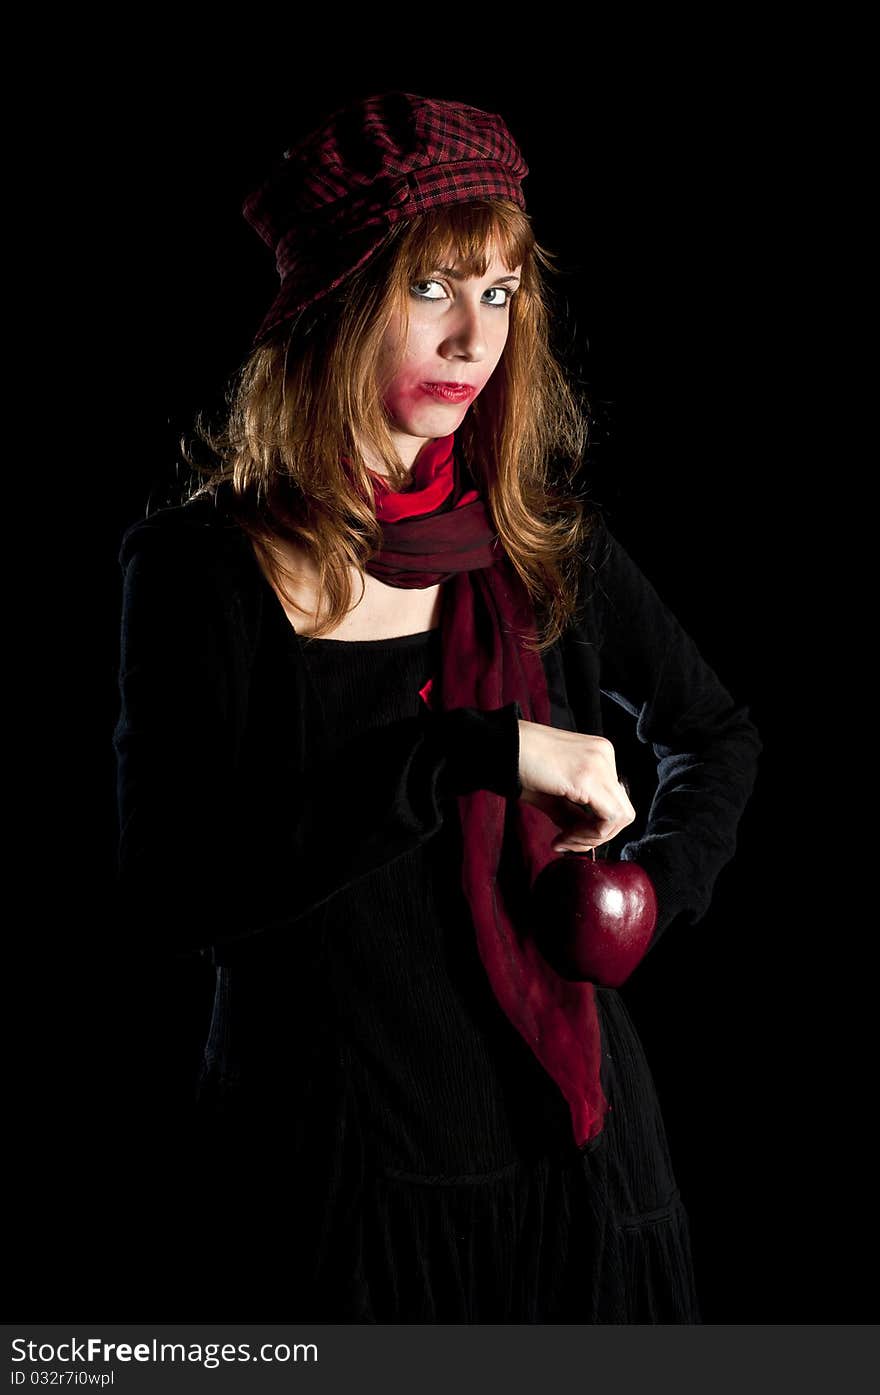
(408, 449)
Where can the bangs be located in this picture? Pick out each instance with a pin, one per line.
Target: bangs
(465, 235)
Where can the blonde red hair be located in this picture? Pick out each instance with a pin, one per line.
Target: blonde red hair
(307, 399)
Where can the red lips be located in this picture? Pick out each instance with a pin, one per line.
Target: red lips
(449, 392)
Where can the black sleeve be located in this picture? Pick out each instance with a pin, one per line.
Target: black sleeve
(706, 745)
(196, 866)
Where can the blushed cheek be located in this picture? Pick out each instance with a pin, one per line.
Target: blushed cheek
(402, 394)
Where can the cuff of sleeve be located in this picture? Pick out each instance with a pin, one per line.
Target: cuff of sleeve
(482, 750)
(666, 888)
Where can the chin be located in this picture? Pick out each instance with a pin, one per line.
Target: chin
(435, 420)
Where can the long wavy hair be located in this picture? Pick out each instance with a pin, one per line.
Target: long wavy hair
(307, 396)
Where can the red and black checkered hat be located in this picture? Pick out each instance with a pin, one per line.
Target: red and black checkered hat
(329, 203)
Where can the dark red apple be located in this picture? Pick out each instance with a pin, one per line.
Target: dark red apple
(593, 921)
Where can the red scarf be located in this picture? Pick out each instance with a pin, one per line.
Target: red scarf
(439, 530)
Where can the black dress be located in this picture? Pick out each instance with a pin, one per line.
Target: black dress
(380, 1144)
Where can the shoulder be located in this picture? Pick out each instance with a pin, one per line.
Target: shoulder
(200, 526)
(193, 559)
(593, 559)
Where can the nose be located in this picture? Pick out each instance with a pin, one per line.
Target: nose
(467, 339)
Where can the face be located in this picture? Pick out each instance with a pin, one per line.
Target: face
(458, 327)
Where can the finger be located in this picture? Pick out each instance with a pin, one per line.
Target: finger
(597, 828)
(588, 820)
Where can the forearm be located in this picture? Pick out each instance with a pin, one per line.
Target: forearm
(206, 857)
(691, 831)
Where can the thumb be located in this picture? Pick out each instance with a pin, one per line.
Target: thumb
(564, 812)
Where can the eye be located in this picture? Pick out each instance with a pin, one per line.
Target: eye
(505, 291)
(500, 290)
(420, 295)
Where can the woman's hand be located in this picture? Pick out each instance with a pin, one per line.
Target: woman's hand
(562, 771)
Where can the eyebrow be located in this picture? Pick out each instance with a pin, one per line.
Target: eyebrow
(455, 275)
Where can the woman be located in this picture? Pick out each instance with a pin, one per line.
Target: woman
(361, 673)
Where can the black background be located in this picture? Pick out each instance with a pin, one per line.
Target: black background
(676, 186)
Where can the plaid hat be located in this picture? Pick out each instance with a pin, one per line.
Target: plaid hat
(329, 203)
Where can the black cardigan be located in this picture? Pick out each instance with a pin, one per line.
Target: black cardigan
(231, 824)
